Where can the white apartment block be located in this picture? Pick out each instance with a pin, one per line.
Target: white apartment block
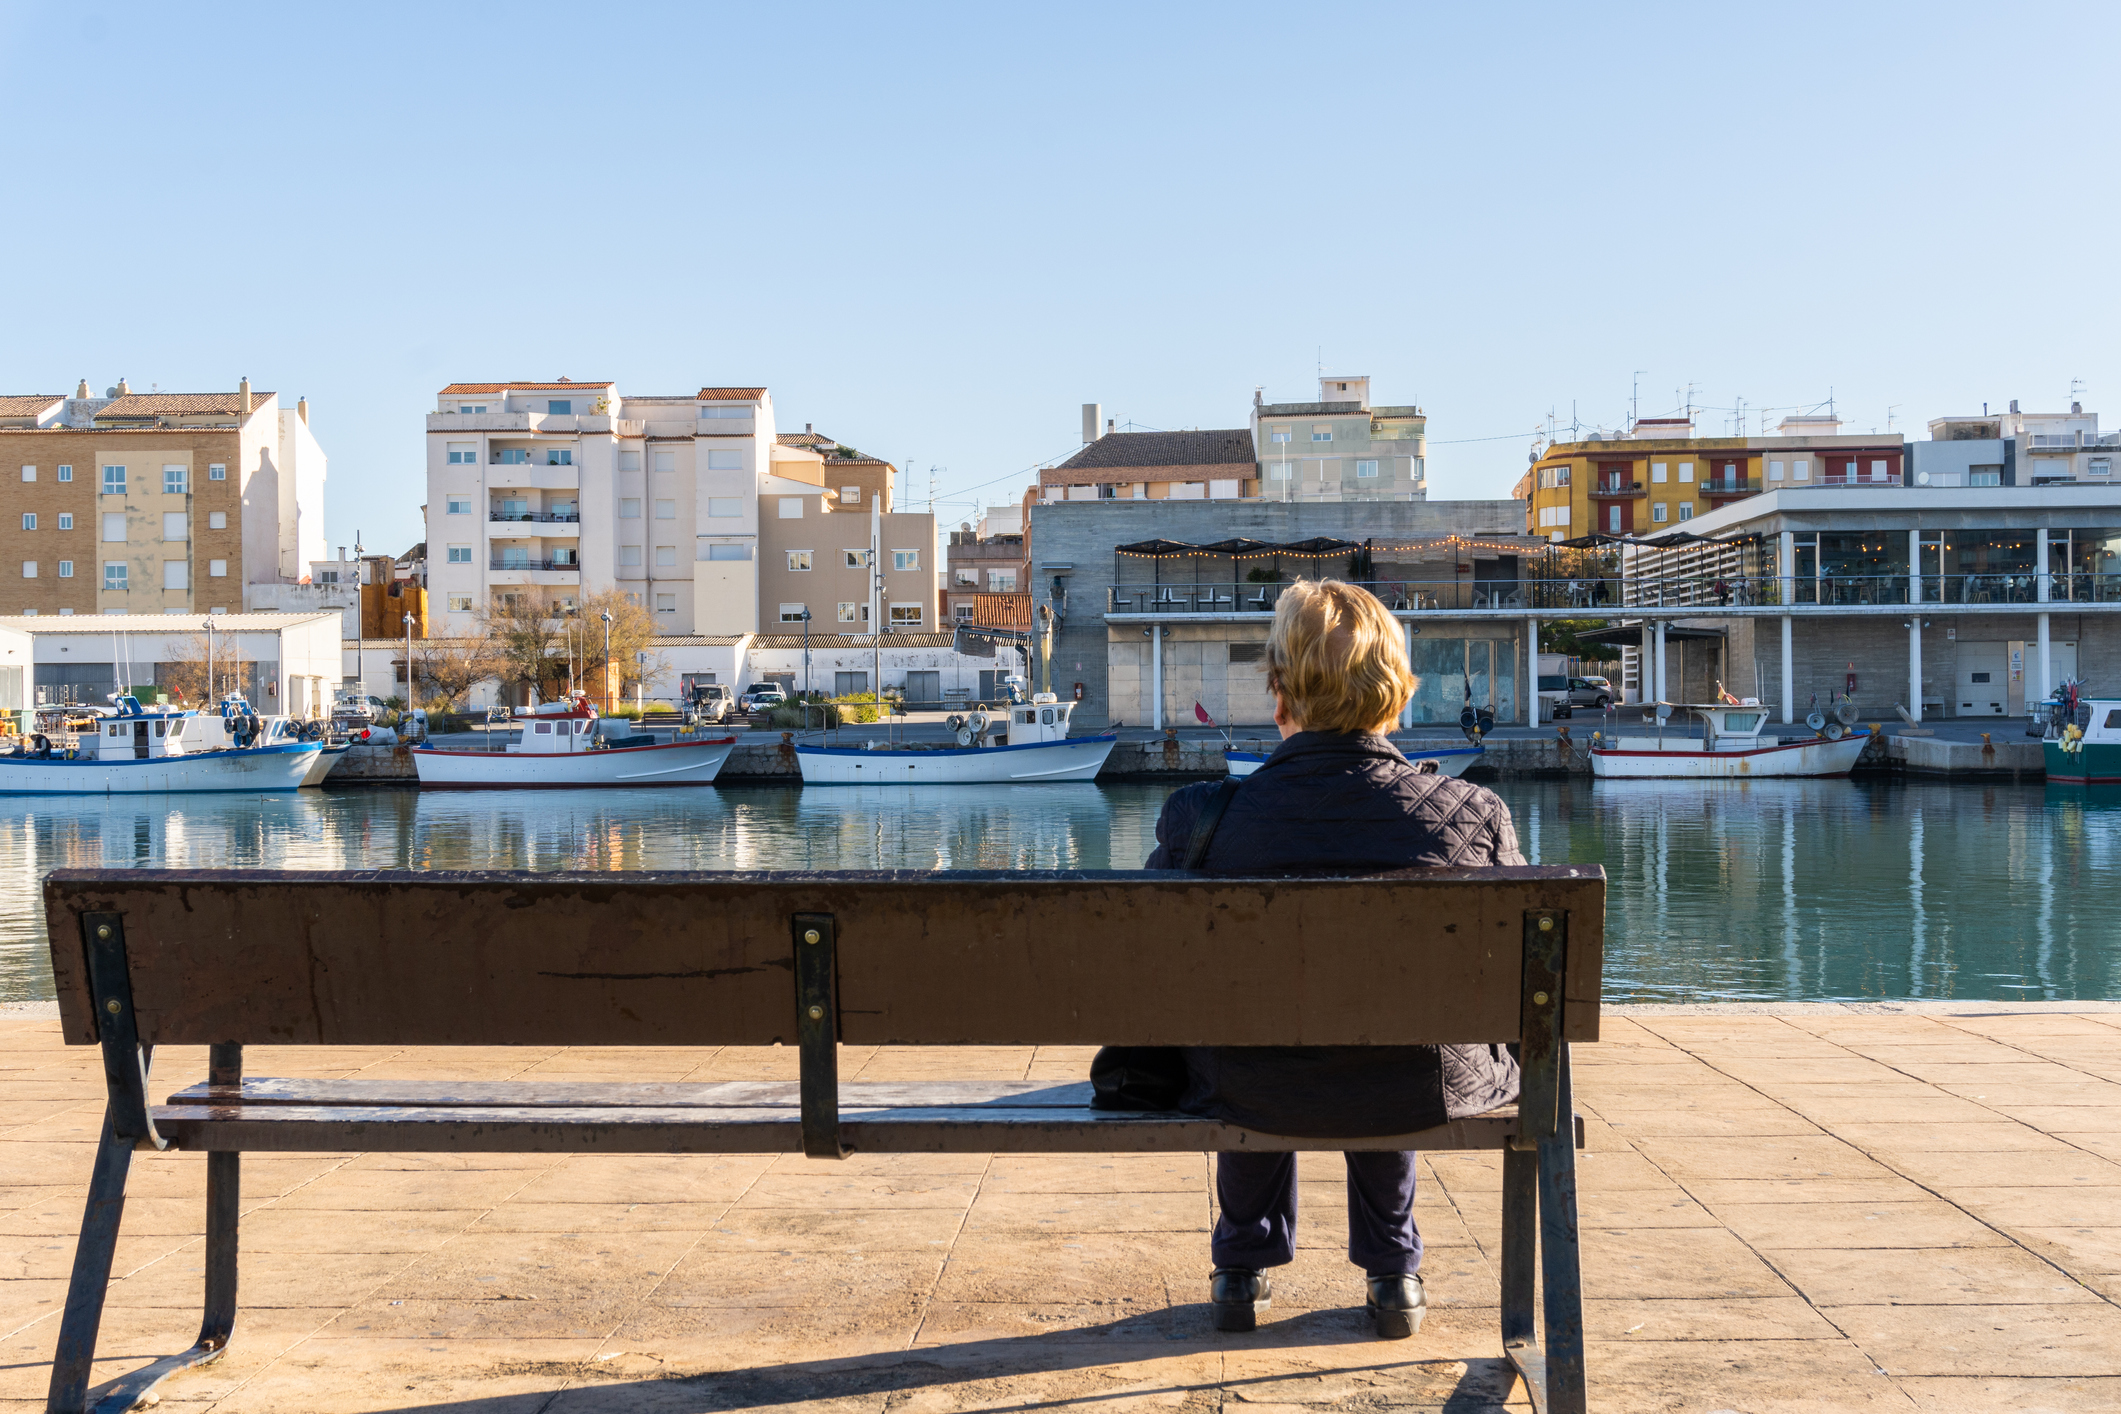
(568, 489)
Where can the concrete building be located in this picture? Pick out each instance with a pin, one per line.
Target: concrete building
(1198, 465)
(1340, 448)
(987, 577)
(286, 663)
(565, 489)
(1140, 637)
(1659, 475)
(2018, 449)
(828, 511)
(149, 503)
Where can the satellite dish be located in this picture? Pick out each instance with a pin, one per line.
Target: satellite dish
(1922, 478)
(1835, 731)
(1816, 721)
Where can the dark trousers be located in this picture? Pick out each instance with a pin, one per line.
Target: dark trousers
(1257, 1195)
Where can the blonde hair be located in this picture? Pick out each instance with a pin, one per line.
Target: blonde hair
(1337, 658)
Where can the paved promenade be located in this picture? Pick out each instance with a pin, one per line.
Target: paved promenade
(1799, 1208)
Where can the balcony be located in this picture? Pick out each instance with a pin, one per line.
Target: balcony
(1726, 489)
(1859, 482)
(2072, 441)
(535, 562)
(1616, 490)
(535, 517)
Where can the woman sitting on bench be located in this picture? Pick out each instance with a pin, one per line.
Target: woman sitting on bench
(1335, 796)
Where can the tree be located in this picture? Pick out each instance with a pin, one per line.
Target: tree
(187, 678)
(633, 633)
(449, 668)
(523, 642)
(1560, 636)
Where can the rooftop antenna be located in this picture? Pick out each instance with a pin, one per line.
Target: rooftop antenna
(2076, 391)
(1691, 389)
(1891, 413)
(1635, 399)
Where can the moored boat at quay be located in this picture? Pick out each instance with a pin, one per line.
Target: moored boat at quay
(1452, 761)
(138, 751)
(559, 747)
(1023, 745)
(2087, 752)
(1724, 742)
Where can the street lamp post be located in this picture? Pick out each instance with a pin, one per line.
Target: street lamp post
(409, 704)
(209, 661)
(605, 668)
(806, 667)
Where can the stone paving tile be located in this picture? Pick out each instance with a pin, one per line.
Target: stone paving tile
(1755, 1376)
(2065, 1339)
(2021, 1395)
(2046, 1206)
(2067, 1168)
(1926, 1223)
(1926, 1276)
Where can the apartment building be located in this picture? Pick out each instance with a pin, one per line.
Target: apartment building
(987, 579)
(155, 503)
(564, 489)
(1340, 448)
(827, 513)
(1657, 475)
(2017, 449)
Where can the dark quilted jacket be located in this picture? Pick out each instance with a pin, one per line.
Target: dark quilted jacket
(1330, 802)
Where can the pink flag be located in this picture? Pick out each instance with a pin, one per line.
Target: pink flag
(1202, 713)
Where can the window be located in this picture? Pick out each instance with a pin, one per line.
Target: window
(1800, 471)
(905, 616)
(850, 495)
(175, 525)
(1001, 581)
(559, 456)
(561, 407)
(114, 527)
(1280, 471)
(472, 409)
(666, 554)
(217, 569)
(1657, 470)
(327, 577)
(1322, 434)
(1686, 510)
(215, 471)
(629, 461)
(1279, 434)
(791, 613)
(66, 473)
(29, 473)
(1774, 471)
(725, 461)
(851, 612)
(217, 520)
(666, 510)
(66, 520)
(1657, 513)
(1363, 468)
(29, 569)
(629, 554)
(463, 454)
(459, 506)
(791, 508)
(728, 552)
(1984, 478)
(725, 507)
(905, 559)
(459, 555)
(666, 461)
(963, 612)
(1686, 471)
(630, 508)
(512, 456)
(29, 520)
(798, 560)
(114, 574)
(666, 603)
(460, 603)
(176, 480)
(66, 570)
(2099, 466)
(114, 481)
(854, 559)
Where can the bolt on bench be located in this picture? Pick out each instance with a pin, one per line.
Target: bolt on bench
(224, 958)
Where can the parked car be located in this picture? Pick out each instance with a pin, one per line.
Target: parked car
(763, 697)
(712, 702)
(1590, 692)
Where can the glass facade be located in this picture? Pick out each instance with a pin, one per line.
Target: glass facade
(1446, 669)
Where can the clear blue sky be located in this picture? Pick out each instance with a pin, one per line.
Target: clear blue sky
(935, 231)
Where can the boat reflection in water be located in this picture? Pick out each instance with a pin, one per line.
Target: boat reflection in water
(1724, 890)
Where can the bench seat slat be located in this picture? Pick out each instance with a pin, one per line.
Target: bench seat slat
(725, 1094)
(758, 1129)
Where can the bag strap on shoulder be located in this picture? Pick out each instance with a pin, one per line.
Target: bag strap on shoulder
(1211, 815)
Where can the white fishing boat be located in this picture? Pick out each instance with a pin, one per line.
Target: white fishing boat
(1021, 746)
(559, 747)
(143, 751)
(1451, 762)
(327, 757)
(1721, 742)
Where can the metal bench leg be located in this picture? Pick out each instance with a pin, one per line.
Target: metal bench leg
(91, 1278)
(224, 1208)
(1563, 1271)
(1520, 1252)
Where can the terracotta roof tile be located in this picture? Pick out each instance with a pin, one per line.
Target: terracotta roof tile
(179, 405)
(1220, 447)
(731, 395)
(28, 404)
(456, 389)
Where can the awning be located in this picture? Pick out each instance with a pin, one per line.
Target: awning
(1157, 547)
(1630, 635)
(1317, 545)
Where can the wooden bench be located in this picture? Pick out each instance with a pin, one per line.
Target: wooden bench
(146, 958)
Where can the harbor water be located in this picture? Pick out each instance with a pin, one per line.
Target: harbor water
(1739, 891)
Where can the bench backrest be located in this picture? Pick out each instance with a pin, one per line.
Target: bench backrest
(677, 959)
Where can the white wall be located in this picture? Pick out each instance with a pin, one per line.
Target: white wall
(958, 670)
(267, 559)
(302, 518)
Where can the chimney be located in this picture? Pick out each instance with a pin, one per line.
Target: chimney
(2014, 404)
(125, 389)
(1108, 427)
(1092, 414)
(82, 390)
(2076, 409)
(302, 410)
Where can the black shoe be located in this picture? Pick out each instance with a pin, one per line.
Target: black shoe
(1396, 1305)
(1238, 1295)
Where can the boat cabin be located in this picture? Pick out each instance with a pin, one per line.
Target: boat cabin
(1717, 726)
(556, 727)
(1044, 718)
